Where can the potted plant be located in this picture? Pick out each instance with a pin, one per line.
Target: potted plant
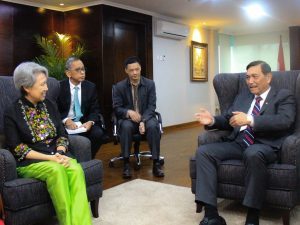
(56, 49)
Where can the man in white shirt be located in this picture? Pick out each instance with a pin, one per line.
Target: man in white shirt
(78, 102)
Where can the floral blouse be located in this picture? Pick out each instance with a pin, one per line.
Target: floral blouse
(43, 130)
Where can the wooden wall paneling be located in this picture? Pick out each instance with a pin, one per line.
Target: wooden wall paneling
(19, 23)
(56, 22)
(6, 37)
(125, 33)
(294, 33)
(27, 23)
(86, 25)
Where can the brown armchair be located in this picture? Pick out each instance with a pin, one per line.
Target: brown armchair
(284, 176)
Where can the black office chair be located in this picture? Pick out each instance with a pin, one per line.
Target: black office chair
(105, 137)
(137, 138)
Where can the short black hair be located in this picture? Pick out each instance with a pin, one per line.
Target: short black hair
(132, 59)
(265, 67)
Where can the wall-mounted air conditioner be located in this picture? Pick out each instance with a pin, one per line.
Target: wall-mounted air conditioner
(171, 30)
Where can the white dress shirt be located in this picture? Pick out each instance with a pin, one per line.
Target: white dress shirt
(261, 103)
(71, 113)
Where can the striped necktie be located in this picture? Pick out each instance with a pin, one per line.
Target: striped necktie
(248, 134)
(77, 110)
(135, 98)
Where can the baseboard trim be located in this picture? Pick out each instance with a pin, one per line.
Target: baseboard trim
(181, 126)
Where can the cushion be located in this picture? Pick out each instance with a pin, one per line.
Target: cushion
(281, 176)
(93, 171)
(15, 199)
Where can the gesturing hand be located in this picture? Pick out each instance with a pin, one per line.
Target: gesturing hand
(204, 117)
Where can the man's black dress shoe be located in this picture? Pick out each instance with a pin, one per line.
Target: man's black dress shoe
(126, 171)
(157, 171)
(213, 221)
(251, 224)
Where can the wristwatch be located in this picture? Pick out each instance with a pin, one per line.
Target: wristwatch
(61, 152)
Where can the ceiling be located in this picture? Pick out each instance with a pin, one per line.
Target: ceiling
(227, 16)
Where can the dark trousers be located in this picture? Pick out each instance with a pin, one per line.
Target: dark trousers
(256, 157)
(96, 136)
(127, 128)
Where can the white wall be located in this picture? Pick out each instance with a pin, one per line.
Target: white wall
(247, 48)
(178, 98)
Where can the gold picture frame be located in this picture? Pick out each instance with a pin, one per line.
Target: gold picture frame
(199, 59)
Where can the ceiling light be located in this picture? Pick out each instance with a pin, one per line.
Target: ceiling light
(61, 4)
(255, 11)
(41, 10)
(86, 10)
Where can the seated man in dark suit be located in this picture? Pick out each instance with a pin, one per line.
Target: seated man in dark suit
(78, 101)
(134, 103)
(259, 119)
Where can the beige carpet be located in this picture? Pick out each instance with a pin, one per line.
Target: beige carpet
(142, 202)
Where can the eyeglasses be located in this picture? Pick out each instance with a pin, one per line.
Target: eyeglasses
(78, 70)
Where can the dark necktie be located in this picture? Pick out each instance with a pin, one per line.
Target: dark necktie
(77, 110)
(248, 134)
(135, 98)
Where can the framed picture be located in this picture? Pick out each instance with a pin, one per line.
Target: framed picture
(199, 58)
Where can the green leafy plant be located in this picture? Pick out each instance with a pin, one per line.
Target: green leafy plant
(56, 49)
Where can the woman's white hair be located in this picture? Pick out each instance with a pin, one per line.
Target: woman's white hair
(25, 74)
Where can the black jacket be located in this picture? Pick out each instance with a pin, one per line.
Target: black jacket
(122, 98)
(17, 130)
(89, 101)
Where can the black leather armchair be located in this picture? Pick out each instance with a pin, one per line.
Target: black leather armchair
(26, 201)
(284, 176)
(137, 138)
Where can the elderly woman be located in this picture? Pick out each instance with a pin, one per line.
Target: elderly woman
(36, 137)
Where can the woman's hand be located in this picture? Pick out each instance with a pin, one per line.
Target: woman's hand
(61, 159)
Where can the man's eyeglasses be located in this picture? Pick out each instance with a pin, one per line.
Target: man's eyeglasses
(77, 70)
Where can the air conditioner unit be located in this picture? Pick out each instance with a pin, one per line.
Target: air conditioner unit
(171, 30)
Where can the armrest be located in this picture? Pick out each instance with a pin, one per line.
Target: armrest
(8, 169)
(158, 117)
(80, 147)
(212, 136)
(290, 150)
(2, 140)
(102, 122)
(114, 121)
(2, 215)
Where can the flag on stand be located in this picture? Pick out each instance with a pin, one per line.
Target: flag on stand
(280, 60)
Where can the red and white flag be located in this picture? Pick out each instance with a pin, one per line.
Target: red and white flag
(280, 60)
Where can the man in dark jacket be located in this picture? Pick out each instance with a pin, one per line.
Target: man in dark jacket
(134, 103)
(78, 102)
(260, 119)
